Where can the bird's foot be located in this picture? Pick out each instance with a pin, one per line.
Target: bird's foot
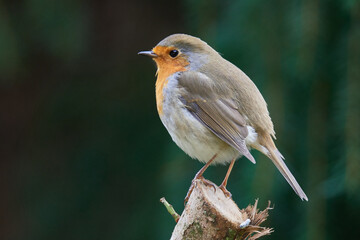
(208, 183)
(204, 181)
(225, 191)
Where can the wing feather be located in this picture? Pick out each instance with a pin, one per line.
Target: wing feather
(216, 111)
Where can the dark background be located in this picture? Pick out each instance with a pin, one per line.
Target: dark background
(85, 156)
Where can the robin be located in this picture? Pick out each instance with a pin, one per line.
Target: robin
(211, 109)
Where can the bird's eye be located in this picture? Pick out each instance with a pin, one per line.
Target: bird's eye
(173, 53)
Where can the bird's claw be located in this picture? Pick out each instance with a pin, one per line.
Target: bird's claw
(193, 183)
(208, 183)
(189, 193)
(225, 191)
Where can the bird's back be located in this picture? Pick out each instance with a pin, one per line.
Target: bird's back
(232, 82)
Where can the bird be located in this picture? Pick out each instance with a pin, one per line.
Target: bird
(212, 110)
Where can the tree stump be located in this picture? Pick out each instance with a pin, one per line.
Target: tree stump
(209, 214)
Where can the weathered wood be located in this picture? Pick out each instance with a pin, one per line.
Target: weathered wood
(209, 214)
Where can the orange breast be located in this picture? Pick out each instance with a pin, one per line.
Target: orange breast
(166, 67)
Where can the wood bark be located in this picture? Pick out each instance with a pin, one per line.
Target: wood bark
(209, 214)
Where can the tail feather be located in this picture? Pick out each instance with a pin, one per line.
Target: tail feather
(276, 157)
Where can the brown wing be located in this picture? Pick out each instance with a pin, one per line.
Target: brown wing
(215, 110)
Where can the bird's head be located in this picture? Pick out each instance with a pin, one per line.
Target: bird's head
(180, 51)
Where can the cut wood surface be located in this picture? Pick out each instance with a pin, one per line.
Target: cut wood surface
(209, 214)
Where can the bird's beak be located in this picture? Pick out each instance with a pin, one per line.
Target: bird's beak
(148, 53)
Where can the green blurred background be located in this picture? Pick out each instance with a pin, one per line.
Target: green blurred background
(85, 156)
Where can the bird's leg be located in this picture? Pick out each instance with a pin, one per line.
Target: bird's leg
(199, 175)
(224, 183)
